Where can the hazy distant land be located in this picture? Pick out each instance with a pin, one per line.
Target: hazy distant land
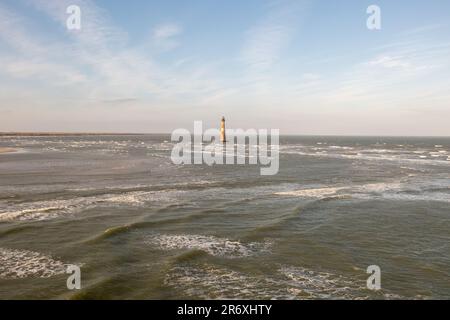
(44, 134)
(6, 150)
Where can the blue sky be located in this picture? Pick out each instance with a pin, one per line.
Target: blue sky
(304, 67)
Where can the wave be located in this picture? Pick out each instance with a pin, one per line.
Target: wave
(427, 157)
(50, 209)
(397, 190)
(406, 190)
(437, 197)
(378, 187)
(136, 226)
(17, 264)
(115, 230)
(178, 186)
(170, 196)
(313, 193)
(214, 246)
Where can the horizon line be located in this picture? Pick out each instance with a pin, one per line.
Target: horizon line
(61, 133)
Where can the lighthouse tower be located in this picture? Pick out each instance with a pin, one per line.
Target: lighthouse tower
(223, 137)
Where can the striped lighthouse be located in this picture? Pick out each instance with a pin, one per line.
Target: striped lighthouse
(223, 137)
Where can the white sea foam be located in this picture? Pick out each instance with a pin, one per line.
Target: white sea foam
(50, 209)
(310, 284)
(209, 282)
(341, 147)
(310, 193)
(428, 196)
(212, 245)
(16, 264)
(330, 191)
(42, 213)
(288, 283)
(407, 190)
(397, 190)
(378, 187)
(403, 156)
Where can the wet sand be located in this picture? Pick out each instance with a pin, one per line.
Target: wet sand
(7, 150)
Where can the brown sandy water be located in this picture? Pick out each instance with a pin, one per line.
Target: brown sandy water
(142, 227)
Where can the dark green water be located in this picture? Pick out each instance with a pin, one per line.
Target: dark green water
(141, 227)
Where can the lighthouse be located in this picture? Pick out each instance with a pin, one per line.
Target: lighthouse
(223, 137)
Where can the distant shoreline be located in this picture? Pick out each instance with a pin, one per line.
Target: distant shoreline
(47, 134)
(79, 134)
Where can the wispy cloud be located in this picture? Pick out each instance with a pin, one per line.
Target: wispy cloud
(390, 62)
(97, 56)
(165, 36)
(101, 69)
(267, 39)
(166, 31)
(424, 29)
(27, 56)
(265, 44)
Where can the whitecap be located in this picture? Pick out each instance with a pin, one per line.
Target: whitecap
(287, 283)
(311, 284)
(212, 245)
(50, 209)
(310, 193)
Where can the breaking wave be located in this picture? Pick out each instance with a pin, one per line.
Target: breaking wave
(313, 193)
(45, 210)
(398, 154)
(402, 190)
(212, 245)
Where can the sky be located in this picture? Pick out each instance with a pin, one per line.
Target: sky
(301, 66)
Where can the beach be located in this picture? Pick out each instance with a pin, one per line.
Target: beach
(7, 150)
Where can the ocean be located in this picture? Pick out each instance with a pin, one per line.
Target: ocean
(141, 227)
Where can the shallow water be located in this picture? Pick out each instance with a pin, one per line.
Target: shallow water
(142, 227)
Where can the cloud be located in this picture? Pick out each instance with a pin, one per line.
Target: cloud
(265, 44)
(27, 56)
(13, 33)
(97, 70)
(166, 31)
(56, 74)
(424, 29)
(165, 36)
(96, 63)
(390, 62)
(269, 37)
(120, 101)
